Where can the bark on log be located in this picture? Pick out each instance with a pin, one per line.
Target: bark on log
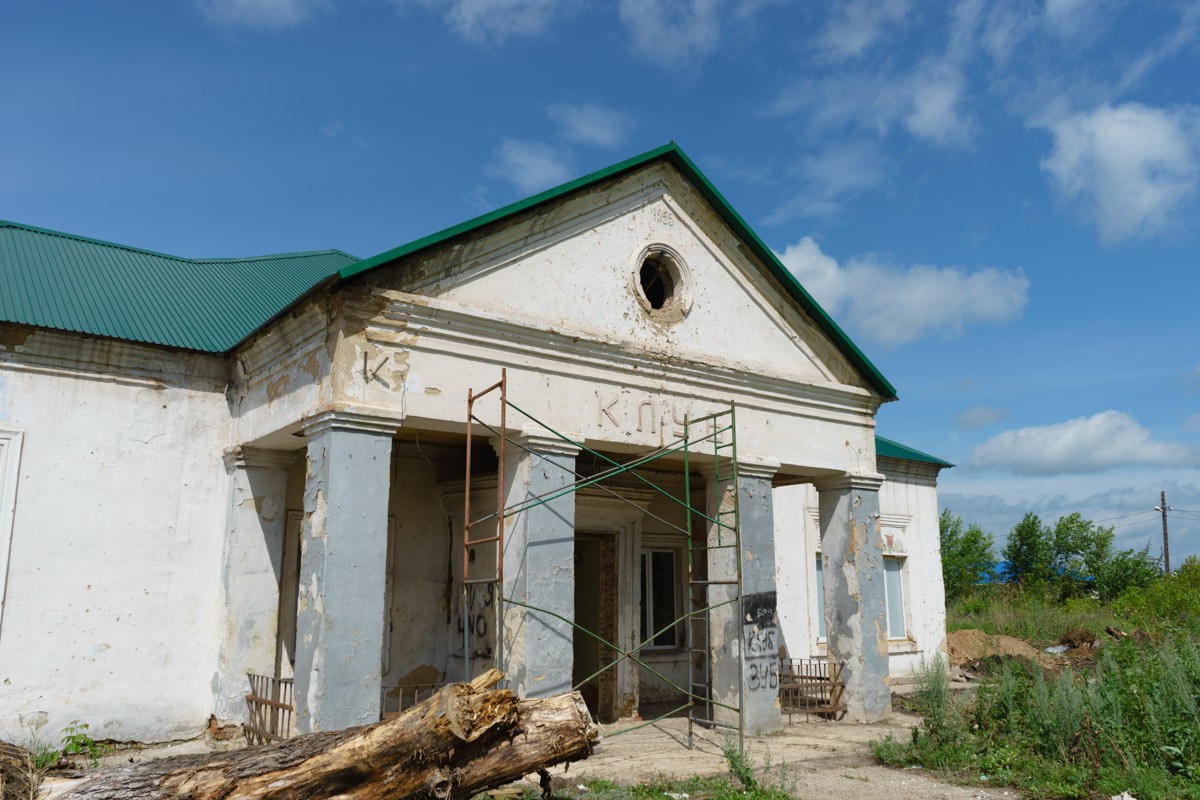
(464, 740)
(18, 779)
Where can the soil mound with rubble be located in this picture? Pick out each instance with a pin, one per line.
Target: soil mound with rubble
(969, 647)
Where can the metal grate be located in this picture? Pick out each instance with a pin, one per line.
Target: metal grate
(398, 698)
(271, 707)
(811, 686)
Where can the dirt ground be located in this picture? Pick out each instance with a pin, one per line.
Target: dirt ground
(809, 758)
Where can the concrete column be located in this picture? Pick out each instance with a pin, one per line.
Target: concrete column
(343, 564)
(539, 566)
(251, 569)
(855, 592)
(749, 633)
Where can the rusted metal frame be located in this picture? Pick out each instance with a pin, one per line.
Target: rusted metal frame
(622, 468)
(629, 654)
(601, 486)
(501, 386)
(604, 641)
(592, 480)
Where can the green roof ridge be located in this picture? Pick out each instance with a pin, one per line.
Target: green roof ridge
(673, 153)
(889, 448)
(7, 223)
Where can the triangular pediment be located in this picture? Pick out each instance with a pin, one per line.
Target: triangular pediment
(575, 263)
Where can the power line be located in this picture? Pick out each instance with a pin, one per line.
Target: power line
(1124, 516)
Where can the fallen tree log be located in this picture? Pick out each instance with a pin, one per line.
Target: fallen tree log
(465, 739)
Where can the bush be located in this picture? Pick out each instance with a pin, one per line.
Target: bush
(1170, 606)
(1134, 725)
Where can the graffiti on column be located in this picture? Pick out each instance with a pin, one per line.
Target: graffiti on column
(760, 631)
(480, 611)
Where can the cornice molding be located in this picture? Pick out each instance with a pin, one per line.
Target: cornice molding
(259, 458)
(437, 320)
(350, 420)
(866, 482)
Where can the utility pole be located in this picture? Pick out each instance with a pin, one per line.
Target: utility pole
(1164, 508)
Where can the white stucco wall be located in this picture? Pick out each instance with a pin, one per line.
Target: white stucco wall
(909, 515)
(113, 612)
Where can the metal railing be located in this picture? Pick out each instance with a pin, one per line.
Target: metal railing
(271, 708)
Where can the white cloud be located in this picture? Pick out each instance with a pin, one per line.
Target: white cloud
(494, 21)
(894, 305)
(333, 129)
(980, 416)
(1132, 168)
(530, 166)
(1075, 18)
(276, 14)
(935, 94)
(591, 124)
(858, 24)
(672, 33)
(831, 177)
(1192, 423)
(1108, 440)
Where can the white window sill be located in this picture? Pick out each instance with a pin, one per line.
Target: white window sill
(896, 647)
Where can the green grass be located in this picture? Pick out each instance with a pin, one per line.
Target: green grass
(1004, 610)
(1131, 725)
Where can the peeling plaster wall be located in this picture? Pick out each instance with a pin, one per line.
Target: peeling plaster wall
(908, 512)
(114, 610)
(420, 561)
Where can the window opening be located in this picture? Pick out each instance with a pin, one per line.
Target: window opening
(893, 572)
(658, 284)
(660, 576)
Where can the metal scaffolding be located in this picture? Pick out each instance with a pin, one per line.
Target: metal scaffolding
(713, 436)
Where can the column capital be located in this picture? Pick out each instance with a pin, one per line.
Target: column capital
(351, 420)
(870, 481)
(244, 457)
(757, 468)
(540, 441)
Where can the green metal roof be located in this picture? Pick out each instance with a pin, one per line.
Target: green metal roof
(58, 280)
(889, 449)
(672, 154)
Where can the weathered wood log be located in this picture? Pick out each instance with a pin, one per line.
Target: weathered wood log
(463, 740)
(18, 778)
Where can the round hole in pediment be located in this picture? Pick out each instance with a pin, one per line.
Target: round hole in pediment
(660, 281)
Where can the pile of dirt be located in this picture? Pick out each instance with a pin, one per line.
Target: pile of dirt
(969, 647)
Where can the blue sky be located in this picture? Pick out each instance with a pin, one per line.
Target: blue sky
(998, 201)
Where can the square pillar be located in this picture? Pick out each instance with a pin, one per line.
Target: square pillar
(745, 638)
(855, 592)
(251, 569)
(539, 566)
(343, 570)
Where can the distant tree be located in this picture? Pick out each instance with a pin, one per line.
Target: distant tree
(1029, 553)
(1128, 569)
(967, 555)
(1081, 552)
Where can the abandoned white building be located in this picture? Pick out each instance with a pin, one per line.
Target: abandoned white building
(210, 468)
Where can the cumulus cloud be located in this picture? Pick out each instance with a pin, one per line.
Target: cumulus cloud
(894, 304)
(980, 416)
(672, 33)
(1131, 169)
(927, 99)
(591, 124)
(530, 166)
(1104, 441)
(263, 14)
(493, 21)
(858, 24)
